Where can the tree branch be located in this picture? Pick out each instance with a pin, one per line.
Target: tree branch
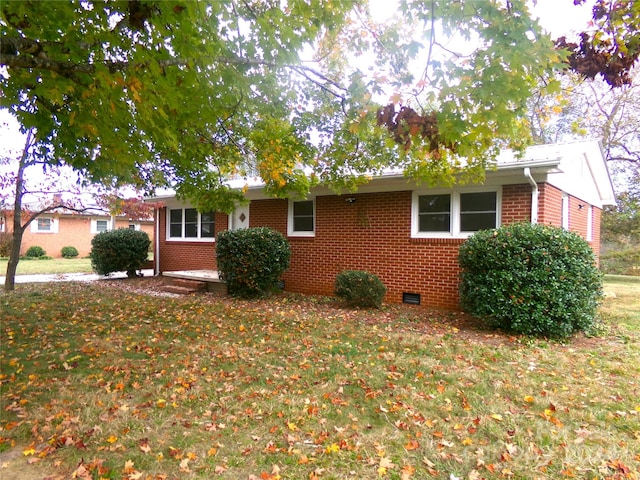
(69, 68)
(64, 67)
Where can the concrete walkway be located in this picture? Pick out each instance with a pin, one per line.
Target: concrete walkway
(71, 277)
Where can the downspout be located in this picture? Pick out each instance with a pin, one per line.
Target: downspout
(534, 195)
(156, 254)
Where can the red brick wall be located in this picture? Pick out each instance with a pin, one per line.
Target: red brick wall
(373, 234)
(516, 203)
(550, 205)
(551, 214)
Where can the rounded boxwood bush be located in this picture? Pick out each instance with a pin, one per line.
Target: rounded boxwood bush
(252, 260)
(530, 279)
(121, 250)
(360, 289)
(69, 252)
(35, 251)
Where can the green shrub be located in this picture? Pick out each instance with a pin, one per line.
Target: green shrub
(35, 251)
(6, 241)
(530, 279)
(69, 252)
(121, 250)
(252, 260)
(360, 289)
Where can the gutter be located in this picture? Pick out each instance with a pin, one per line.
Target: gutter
(534, 195)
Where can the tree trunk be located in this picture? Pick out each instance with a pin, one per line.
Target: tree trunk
(18, 228)
(14, 258)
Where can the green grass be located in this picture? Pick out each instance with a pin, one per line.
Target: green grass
(134, 386)
(49, 266)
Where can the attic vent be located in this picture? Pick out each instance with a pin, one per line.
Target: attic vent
(411, 298)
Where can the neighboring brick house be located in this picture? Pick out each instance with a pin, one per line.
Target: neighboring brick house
(409, 235)
(54, 230)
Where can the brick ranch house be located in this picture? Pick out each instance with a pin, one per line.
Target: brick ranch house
(407, 234)
(57, 229)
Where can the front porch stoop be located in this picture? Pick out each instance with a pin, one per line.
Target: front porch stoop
(183, 286)
(193, 281)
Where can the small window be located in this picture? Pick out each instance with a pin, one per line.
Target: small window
(302, 218)
(102, 226)
(435, 213)
(207, 225)
(477, 211)
(590, 224)
(188, 224)
(175, 223)
(44, 225)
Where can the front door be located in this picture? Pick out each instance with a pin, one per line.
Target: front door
(239, 218)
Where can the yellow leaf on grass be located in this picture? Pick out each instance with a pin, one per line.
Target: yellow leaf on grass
(112, 439)
(497, 417)
(529, 399)
(28, 451)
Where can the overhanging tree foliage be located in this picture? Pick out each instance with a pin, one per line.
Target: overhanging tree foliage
(31, 187)
(186, 94)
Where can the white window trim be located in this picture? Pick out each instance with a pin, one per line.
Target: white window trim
(54, 225)
(94, 224)
(290, 231)
(590, 224)
(182, 238)
(565, 212)
(454, 232)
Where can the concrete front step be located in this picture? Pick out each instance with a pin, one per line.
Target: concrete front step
(199, 280)
(177, 289)
(195, 285)
(183, 286)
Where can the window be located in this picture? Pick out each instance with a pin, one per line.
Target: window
(590, 224)
(99, 225)
(44, 225)
(435, 213)
(302, 218)
(102, 226)
(477, 211)
(565, 211)
(454, 213)
(188, 224)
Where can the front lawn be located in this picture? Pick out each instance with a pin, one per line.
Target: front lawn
(48, 266)
(102, 382)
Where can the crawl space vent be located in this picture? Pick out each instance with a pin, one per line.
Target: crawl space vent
(411, 298)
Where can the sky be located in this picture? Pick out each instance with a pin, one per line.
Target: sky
(558, 17)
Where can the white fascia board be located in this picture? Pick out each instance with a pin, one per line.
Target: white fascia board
(585, 174)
